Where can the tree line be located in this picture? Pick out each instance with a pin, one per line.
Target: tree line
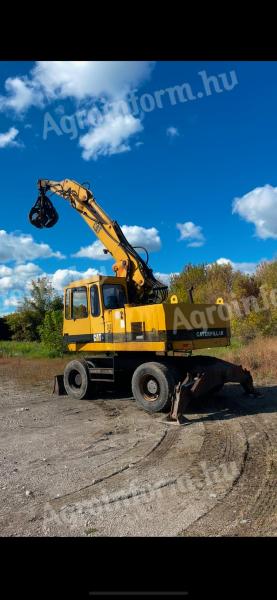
(251, 300)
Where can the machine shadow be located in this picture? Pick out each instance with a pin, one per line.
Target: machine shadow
(231, 403)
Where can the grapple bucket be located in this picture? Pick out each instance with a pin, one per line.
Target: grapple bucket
(206, 375)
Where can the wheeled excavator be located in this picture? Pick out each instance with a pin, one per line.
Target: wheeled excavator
(126, 324)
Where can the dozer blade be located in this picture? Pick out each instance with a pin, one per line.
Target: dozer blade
(205, 375)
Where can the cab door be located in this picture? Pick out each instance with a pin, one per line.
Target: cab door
(77, 321)
(97, 317)
(114, 299)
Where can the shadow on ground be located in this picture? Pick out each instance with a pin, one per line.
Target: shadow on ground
(230, 403)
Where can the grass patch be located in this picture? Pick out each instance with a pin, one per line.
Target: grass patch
(29, 362)
(222, 352)
(258, 356)
(25, 349)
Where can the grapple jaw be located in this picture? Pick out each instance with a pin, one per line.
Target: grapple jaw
(43, 213)
(205, 375)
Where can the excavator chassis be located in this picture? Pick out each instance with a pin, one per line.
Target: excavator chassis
(195, 377)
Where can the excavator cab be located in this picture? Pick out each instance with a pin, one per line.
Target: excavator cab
(94, 311)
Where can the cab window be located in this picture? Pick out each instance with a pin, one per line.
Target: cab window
(114, 296)
(67, 304)
(79, 303)
(94, 301)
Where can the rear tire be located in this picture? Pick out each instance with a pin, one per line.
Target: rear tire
(76, 379)
(153, 386)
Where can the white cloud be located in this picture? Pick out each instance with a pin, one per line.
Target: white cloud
(81, 79)
(260, 208)
(149, 238)
(8, 138)
(95, 251)
(172, 132)
(15, 281)
(191, 233)
(22, 93)
(110, 136)
(136, 236)
(21, 248)
(12, 302)
(63, 277)
(164, 277)
(95, 83)
(17, 278)
(246, 267)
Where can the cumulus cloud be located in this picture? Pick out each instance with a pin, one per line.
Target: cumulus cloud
(246, 267)
(101, 84)
(62, 277)
(95, 251)
(15, 282)
(149, 238)
(260, 208)
(22, 247)
(191, 233)
(110, 136)
(172, 132)
(22, 93)
(17, 278)
(136, 236)
(12, 302)
(80, 79)
(8, 138)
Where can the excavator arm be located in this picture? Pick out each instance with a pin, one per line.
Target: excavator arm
(144, 288)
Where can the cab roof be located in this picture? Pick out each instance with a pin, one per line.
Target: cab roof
(96, 279)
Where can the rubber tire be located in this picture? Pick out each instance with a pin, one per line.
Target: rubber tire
(166, 380)
(81, 367)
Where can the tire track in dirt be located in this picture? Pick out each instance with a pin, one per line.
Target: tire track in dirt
(217, 447)
(85, 492)
(252, 494)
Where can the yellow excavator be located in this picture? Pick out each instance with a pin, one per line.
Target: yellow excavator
(126, 324)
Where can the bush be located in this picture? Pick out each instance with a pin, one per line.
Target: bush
(51, 332)
(23, 325)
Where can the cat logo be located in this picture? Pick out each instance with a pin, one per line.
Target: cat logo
(97, 337)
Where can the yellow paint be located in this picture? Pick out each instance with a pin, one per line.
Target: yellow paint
(165, 326)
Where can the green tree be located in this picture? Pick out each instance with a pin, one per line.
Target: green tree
(192, 275)
(42, 298)
(51, 331)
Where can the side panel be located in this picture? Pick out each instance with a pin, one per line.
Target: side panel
(160, 327)
(200, 325)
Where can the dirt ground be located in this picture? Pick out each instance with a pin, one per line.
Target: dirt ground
(103, 467)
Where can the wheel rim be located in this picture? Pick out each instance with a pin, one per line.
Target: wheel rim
(149, 387)
(75, 379)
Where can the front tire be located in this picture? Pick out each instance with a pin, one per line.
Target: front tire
(76, 379)
(153, 387)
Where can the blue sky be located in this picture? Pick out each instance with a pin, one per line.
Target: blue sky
(168, 168)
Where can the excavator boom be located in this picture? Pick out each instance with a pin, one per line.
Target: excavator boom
(144, 288)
